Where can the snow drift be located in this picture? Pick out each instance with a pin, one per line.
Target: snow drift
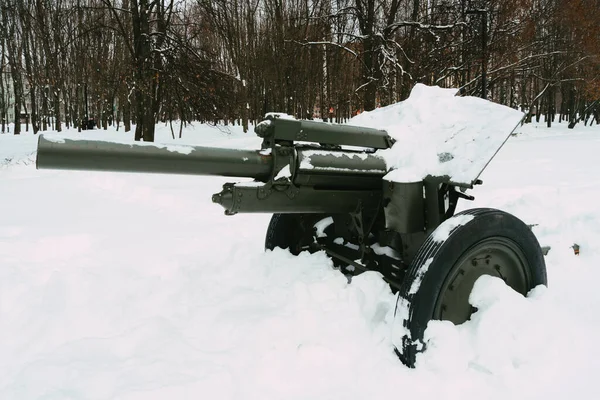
(440, 134)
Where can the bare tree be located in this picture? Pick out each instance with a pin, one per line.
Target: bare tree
(14, 51)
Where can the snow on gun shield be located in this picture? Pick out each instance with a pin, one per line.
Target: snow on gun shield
(324, 185)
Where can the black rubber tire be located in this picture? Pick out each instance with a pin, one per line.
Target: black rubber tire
(290, 231)
(490, 231)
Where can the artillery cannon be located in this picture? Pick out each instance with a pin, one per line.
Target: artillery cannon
(324, 185)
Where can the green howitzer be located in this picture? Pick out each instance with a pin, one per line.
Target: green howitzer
(324, 185)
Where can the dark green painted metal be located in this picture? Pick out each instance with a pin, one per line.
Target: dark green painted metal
(495, 256)
(244, 198)
(434, 205)
(91, 155)
(280, 129)
(334, 169)
(337, 180)
(404, 206)
(326, 162)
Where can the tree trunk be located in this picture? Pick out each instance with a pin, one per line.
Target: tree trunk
(144, 129)
(127, 115)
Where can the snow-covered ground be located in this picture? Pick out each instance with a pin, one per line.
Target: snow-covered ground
(124, 286)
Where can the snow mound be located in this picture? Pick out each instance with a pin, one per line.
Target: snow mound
(441, 134)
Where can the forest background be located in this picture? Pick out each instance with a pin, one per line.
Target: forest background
(64, 63)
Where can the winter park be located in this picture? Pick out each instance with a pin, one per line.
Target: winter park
(273, 199)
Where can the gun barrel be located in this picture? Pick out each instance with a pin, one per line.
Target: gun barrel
(95, 155)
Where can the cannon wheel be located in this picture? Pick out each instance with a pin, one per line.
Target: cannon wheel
(441, 277)
(296, 232)
(291, 231)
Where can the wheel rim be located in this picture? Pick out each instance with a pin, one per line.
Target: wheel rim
(497, 256)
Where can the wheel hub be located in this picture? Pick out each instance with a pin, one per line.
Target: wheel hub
(498, 256)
